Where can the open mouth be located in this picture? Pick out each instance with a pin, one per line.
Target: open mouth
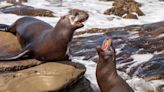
(106, 44)
(80, 16)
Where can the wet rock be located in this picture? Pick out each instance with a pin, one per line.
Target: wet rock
(130, 16)
(122, 7)
(120, 3)
(106, 0)
(128, 41)
(45, 77)
(82, 85)
(149, 28)
(26, 11)
(153, 67)
(8, 66)
(8, 44)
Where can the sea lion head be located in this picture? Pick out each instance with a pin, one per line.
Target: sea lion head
(75, 18)
(106, 52)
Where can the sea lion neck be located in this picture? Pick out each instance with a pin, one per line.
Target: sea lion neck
(62, 28)
(107, 66)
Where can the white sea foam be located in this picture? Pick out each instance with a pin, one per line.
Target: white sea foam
(139, 59)
(88, 34)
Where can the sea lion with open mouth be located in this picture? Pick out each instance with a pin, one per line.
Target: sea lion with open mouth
(106, 73)
(42, 41)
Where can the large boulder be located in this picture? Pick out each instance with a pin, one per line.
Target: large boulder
(45, 77)
(122, 7)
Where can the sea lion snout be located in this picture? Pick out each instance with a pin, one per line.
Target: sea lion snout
(77, 17)
(106, 51)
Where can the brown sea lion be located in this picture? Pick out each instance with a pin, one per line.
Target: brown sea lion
(41, 40)
(26, 11)
(15, 1)
(106, 74)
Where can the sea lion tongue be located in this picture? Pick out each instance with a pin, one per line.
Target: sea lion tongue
(106, 44)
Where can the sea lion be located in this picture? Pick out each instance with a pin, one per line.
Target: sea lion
(41, 40)
(15, 1)
(106, 74)
(26, 11)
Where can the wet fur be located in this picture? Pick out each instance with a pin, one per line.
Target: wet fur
(41, 40)
(106, 73)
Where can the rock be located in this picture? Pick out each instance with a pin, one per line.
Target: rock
(26, 11)
(153, 67)
(8, 43)
(6, 66)
(82, 85)
(45, 77)
(128, 41)
(121, 3)
(122, 7)
(130, 16)
(106, 0)
(116, 11)
(147, 28)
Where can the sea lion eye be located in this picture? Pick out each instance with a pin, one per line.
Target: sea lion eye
(76, 14)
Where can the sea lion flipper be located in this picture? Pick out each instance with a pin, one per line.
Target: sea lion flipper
(15, 56)
(4, 27)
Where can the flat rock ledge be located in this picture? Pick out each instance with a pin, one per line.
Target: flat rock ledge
(51, 76)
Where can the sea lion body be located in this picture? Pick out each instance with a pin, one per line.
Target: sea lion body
(106, 73)
(15, 1)
(41, 40)
(38, 36)
(27, 11)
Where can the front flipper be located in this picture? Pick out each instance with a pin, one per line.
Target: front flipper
(15, 56)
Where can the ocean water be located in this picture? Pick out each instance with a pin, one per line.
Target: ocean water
(154, 12)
